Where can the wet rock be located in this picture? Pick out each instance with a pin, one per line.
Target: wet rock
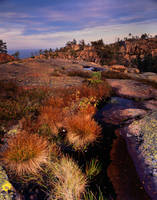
(119, 110)
(132, 89)
(7, 192)
(119, 115)
(150, 105)
(142, 146)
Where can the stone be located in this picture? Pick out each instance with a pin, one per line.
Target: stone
(119, 115)
(119, 110)
(132, 89)
(120, 68)
(133, 70)
(150, 105)
(7, 191)
(142, 146)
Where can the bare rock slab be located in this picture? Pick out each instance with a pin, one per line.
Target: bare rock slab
(132, 89)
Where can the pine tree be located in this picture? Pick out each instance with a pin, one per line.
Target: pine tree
(3, 47)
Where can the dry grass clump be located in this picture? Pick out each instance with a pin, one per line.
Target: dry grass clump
(25, 153)
(71, 182)
(66, 94)
(114, 75)
(53, 117)
(87, 109)
(79, 73)
(82, 130)
(16, 102)
(99, 91)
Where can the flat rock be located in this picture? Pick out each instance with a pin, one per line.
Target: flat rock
(132, 89)
(117, 116)
(118, 110)
(141, 138)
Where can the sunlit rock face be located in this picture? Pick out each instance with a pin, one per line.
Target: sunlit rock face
(132, 89)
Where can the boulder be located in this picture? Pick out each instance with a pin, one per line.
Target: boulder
(141, 139)
(132, 70)
(132, 89)
(120, 68)
(119, 110)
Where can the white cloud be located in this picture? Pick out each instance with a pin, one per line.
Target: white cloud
(16, 39)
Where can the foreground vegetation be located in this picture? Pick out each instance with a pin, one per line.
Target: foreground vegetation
(56, 127)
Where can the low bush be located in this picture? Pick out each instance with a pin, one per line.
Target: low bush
(16, 102)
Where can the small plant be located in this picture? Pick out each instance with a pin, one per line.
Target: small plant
(90, 196)
(25, 153)
(96, 75)
(70, 181)
(93, 168)
(95, 79)
(82, 130)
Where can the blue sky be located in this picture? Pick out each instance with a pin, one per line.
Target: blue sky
(30, 24)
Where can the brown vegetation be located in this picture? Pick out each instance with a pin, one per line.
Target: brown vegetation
(79, 73)
(25, 153)
(114, 75)
(71, 182)
(82, 130)
(4, 58)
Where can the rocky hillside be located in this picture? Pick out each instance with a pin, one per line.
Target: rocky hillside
(133, 52)
(4, 58)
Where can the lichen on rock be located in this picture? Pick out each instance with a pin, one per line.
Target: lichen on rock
(7, 192)
(142, 146)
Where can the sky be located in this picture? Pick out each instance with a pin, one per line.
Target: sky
(40, 24)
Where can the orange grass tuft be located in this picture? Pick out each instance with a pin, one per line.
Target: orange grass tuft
(82, 130)
(25, 153)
